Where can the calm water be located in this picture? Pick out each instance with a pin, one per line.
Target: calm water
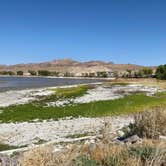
(18, 83)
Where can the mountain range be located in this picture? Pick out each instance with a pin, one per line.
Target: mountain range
(72, 66)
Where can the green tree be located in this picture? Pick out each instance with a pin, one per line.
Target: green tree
(32, 72)
(102, 74)
(44, 73)
(161, 72)
(20, 73)
(147, 72)
(54, 73)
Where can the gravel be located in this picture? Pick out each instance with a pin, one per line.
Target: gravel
(27, 133)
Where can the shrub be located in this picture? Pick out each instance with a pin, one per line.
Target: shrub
(150, 124)
(32, 72)
(47, 156)
(149, 153)
(20, 73)
(54, 73)
(44, 73)
(161, 72)
(67, 74)
(7, 73)
(102, 74)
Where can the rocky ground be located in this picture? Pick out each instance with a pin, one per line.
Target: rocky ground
(101, 93)
(64, 130)
(28, 133)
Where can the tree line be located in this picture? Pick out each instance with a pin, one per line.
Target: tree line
(142, 73)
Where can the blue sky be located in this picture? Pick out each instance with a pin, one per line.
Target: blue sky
(122, 31)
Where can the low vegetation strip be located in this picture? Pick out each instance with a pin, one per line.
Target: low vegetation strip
(64, 93)
(4, 147)
(72, 92)
(126, 105)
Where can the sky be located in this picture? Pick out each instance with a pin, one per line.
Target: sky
(120, 31)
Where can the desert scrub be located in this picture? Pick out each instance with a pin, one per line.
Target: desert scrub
(150, 124)
(128, 104)
(46, 156)
(149, 153)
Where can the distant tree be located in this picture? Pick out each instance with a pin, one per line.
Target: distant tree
(7, 73)
(102, 74)
(20, 73)
(44, 73)
(67, 74)
(86, 75)
(11, 73)
(129, 73)
(140, 74)
(161, 72)
(54, 73)
(116, 75)
(32, 72)
(147, 72)
(91, 74)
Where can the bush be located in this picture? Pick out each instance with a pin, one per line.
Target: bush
(20, 73)
(7, 73)
(44, 73)
(102, 74)
(150, 124)
(47, 156)
(38, 157)
(33, 73)
(54, 73)
(161, 72)
(149, 153)
(67, 74)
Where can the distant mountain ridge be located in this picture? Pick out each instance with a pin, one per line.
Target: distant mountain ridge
(72, 66)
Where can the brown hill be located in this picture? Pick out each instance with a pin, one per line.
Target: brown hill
(69, 65)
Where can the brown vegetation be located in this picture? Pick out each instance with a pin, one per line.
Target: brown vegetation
(150, 124)
(105, 152)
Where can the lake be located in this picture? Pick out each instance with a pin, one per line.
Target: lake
(19, 83)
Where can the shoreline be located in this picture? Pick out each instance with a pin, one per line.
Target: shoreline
(12, 83)
(17, 96)
(84, 78)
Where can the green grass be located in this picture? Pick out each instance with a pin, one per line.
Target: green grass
(78, 135)
(72, 92)
(126, 105)
(4, 147)
(119, 83)
(63, 93)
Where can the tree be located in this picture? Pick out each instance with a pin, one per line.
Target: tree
(129, 73)
(102, 74)
(54, 73)
(32, 72)
(11, 73)
(161, 72)
(20, 73)
(67, 74)
(44, 73)
(7, 73)
(147, 72)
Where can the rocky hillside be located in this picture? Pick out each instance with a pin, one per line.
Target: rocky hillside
(69, 65)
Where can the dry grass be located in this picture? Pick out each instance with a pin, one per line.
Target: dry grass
(143, 81)
(149, 153)
(150, 124)
(103, 152)
(47, 156)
